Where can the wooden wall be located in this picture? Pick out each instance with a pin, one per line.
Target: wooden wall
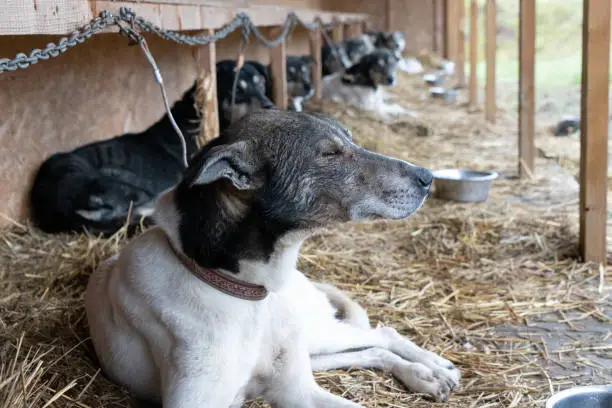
(104, 88)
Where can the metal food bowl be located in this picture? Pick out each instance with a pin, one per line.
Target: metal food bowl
(593, 396)
(463, 185)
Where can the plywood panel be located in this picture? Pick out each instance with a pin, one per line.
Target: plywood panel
(98, 90)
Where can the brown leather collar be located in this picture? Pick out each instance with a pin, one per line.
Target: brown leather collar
(224, 283)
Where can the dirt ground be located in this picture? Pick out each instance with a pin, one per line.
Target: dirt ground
(496, 287)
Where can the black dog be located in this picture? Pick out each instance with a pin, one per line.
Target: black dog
(93, 187)
(253, 88)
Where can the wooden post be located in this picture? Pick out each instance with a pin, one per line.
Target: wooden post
(315, 52)
(206, 94)
(388, 15)
(460, 63)
(337, 33)
(451, 30)
(473, 87)
(594, 129)
(490, 50)
(438, 7)
(526, 112)
(278, 66)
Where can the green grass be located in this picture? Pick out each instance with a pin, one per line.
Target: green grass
(558, 42)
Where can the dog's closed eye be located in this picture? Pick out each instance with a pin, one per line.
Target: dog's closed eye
(331, 148)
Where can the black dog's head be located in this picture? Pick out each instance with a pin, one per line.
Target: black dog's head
(375, 69)
(277, 172)
(299, 80)
(252, 89)
(334, 58)
(394, 41)
(358, 47)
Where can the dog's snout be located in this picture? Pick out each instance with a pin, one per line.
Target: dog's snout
(424, 177)
(390, 80)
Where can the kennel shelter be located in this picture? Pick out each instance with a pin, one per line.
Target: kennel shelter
(445, 277)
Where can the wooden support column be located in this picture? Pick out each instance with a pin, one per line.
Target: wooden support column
(352, 30)
(278, 66)
(527, 30)
(490, 51)
(337, 34)
(460, 63)
(473, 86)
(315, 52)
(594, 129)
(438, 9)
(451, 29)
(206, 95)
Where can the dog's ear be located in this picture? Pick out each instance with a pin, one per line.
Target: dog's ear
(230, 162)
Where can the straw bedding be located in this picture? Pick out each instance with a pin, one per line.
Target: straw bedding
(469, 281)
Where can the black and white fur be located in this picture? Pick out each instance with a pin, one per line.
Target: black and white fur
(361, 85)
(334, 58)
(246, 203)
(252, 90)
(299, 81)
(93, 187)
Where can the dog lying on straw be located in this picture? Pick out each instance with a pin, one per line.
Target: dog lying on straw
(207, 309)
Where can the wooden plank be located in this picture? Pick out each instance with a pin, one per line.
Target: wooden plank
(594, 129)
(460, 63)
(388, 15)
(278, 66)
(526, 110)
(315, 52)
(490, 51)
(64, 16)
(473, 85)
(206, 98)
(439, 31)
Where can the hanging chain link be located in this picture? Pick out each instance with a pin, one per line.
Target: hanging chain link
(127, 21)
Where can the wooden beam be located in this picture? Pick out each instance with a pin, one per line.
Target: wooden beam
(594, 129)
(490, 51)
(451, 22)
(460, 63)
(438, 34)
(42, 16)
(206, 97)
(388, 15)
(315, 52)
(473, 86)
(527, 30)
(278, 66)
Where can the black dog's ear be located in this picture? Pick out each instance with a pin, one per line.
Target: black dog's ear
(231, 162)
(307, 59)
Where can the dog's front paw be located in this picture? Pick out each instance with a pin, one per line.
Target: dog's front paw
(445, 367)
(419, 378)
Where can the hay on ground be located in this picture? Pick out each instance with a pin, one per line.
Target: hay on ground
(473, 282)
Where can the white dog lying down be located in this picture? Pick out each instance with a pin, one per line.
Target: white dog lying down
(361, 85)
(208, 309)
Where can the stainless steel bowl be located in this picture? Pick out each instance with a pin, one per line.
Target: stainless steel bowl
(592, 396)
(463, 185)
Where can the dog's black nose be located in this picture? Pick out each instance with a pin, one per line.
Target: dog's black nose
(424, 177)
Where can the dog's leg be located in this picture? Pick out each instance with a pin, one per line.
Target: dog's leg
(415, 376)
(185, 390)
(293, 385)
(339, 337)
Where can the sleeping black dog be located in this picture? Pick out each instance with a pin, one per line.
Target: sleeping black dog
(92, 187)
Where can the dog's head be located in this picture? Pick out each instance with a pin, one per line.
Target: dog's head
(299, 76)
(376, 69)
(276, 172)
(395, 41)
(251, 89)
(334, 58)
(358, 47)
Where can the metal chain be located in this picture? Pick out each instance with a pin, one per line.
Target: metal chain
(126, 15)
